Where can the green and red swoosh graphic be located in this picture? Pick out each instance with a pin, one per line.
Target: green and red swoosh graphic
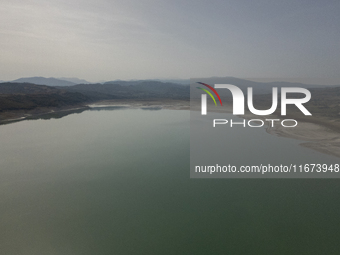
(208, 92)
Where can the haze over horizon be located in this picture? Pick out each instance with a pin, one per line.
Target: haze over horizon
(109, 40)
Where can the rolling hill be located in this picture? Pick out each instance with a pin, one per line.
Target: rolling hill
(25, 96)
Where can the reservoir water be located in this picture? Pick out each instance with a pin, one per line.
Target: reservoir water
(116, 181)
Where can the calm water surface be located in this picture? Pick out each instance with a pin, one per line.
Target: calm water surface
(117, 182)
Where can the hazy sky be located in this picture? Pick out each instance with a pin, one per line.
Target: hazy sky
(139, 39)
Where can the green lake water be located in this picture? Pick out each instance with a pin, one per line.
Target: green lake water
(116, 181)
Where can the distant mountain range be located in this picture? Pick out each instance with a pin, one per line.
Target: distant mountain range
(258, 87)
(64, 81)
(146, 89)
(132, 90)
(132, 82)
(45, 81)
(74, 80)
(29, 95)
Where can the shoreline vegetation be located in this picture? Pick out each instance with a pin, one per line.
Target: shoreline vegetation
(24, 101)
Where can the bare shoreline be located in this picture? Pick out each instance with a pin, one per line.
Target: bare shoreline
(320, 134)
(315, 136)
